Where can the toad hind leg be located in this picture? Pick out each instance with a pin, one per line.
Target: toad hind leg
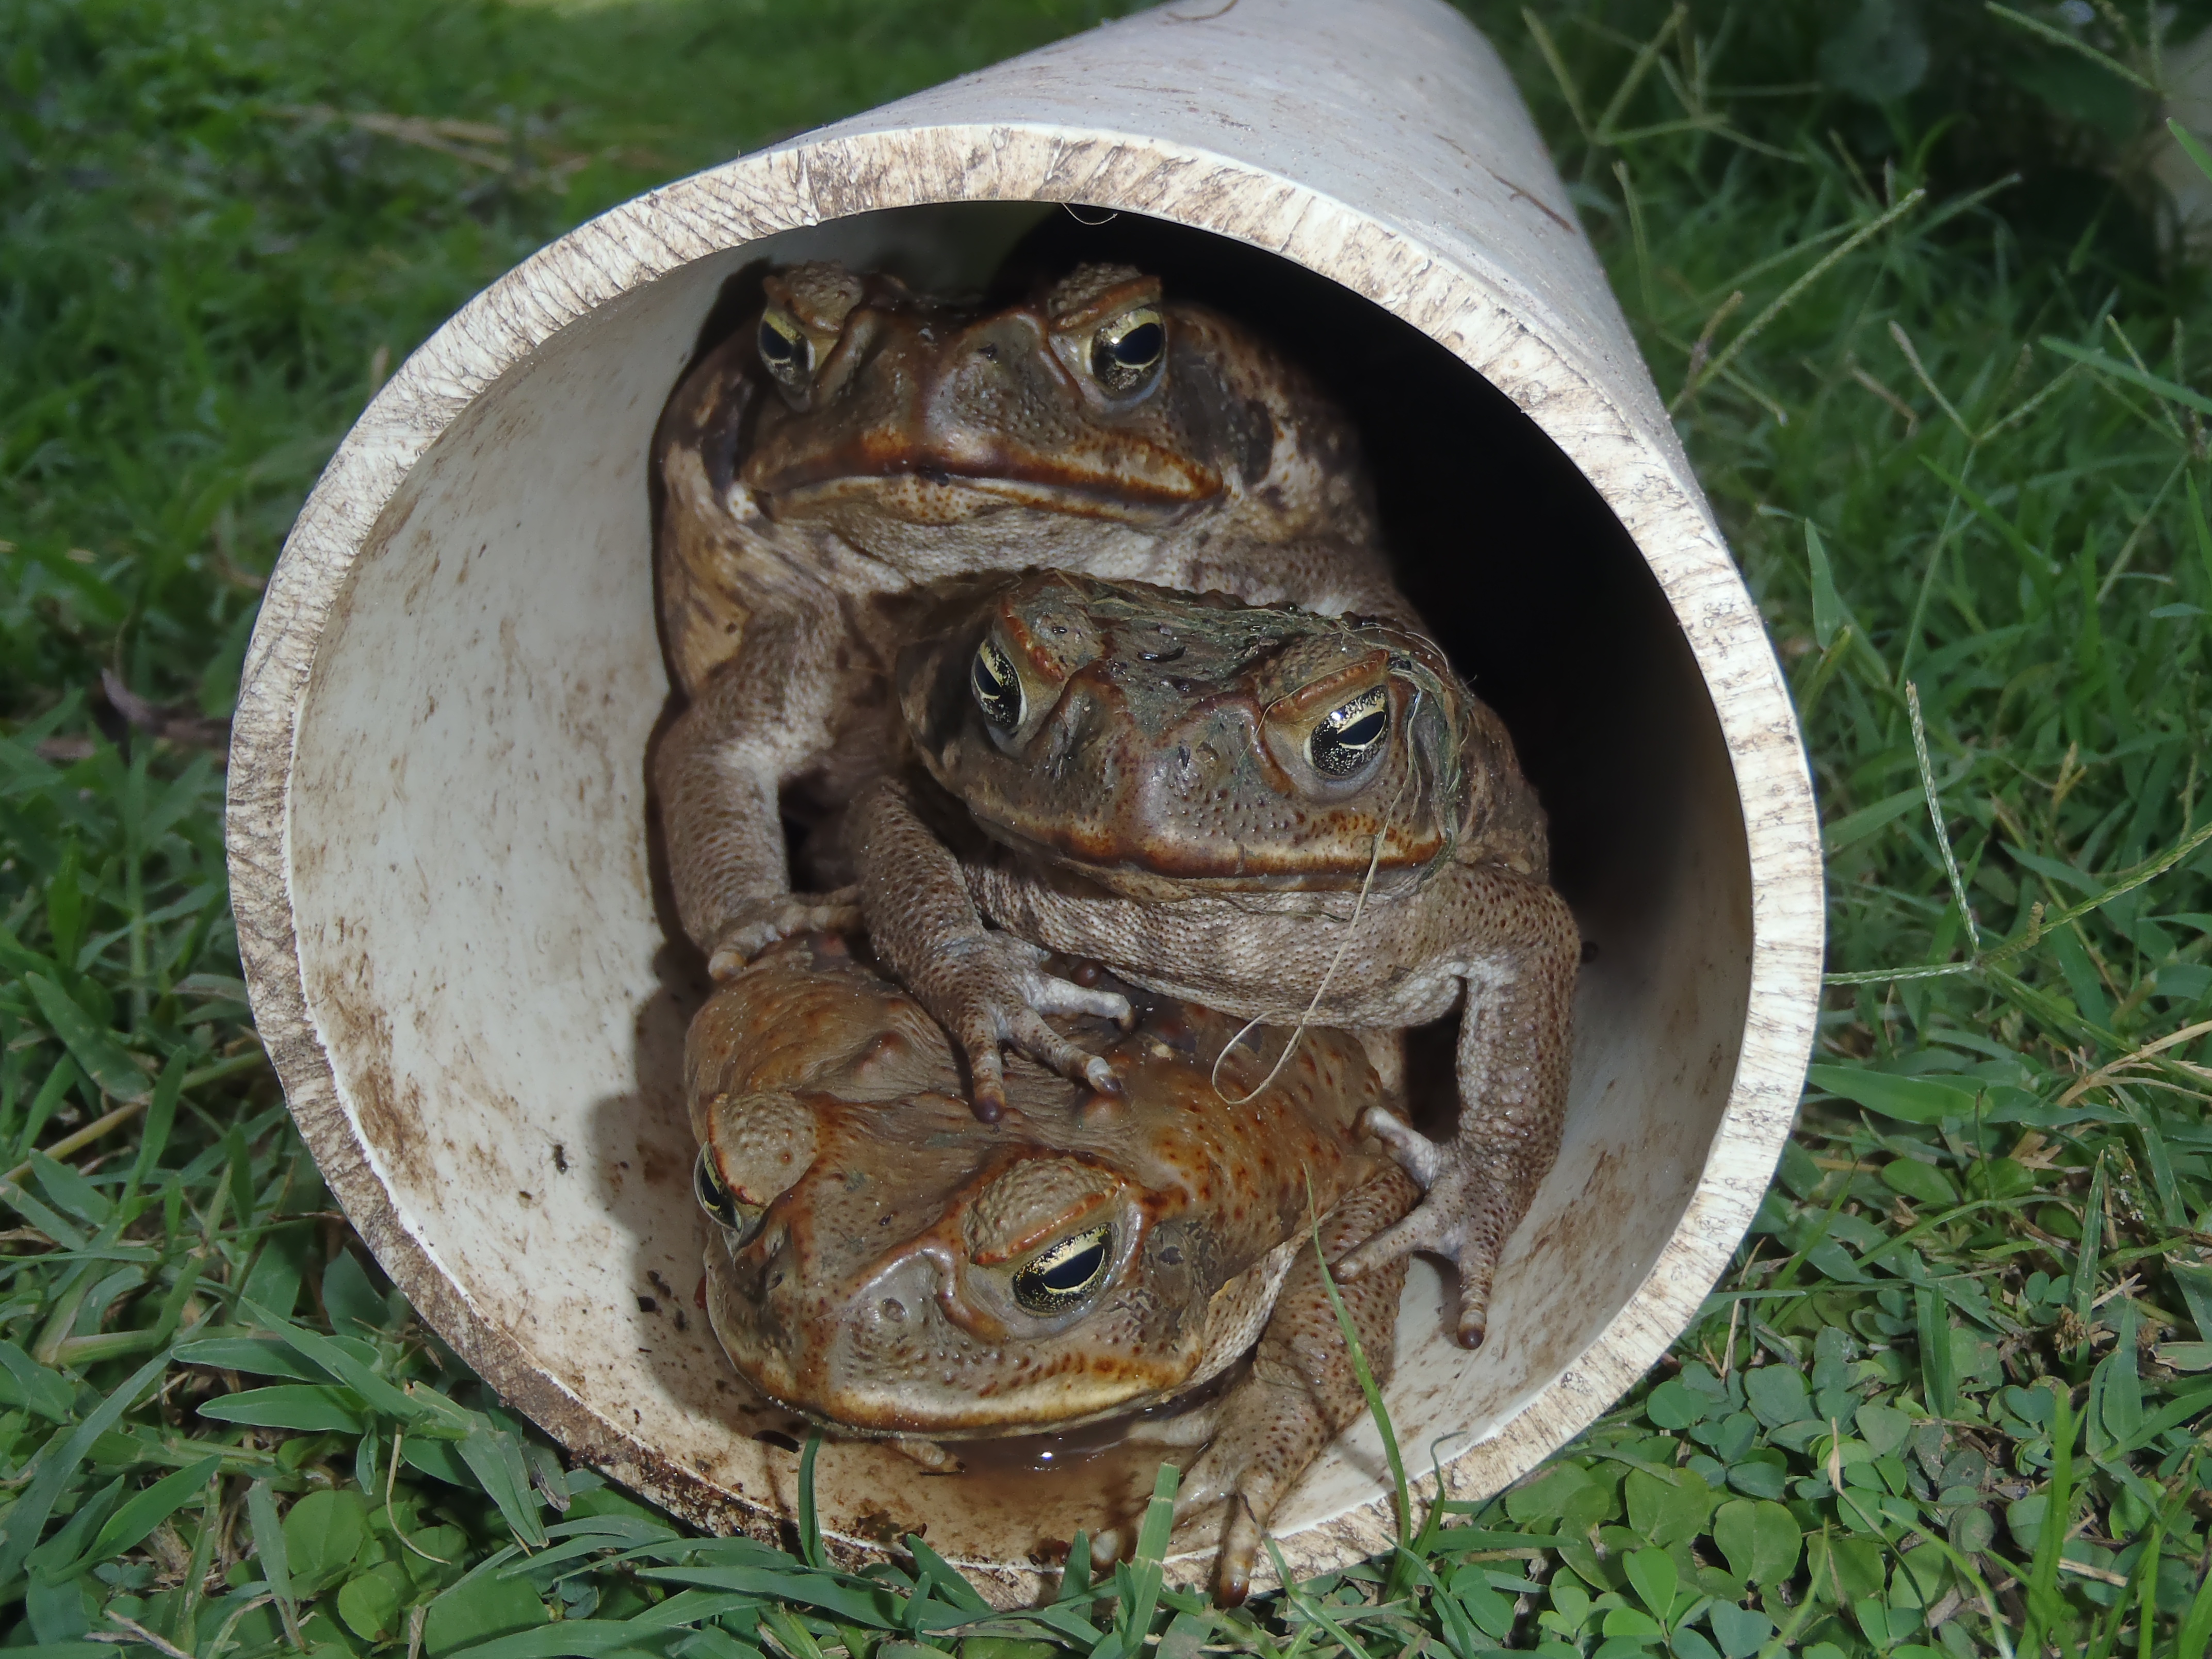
(1514, 1039)
(1303, 1390)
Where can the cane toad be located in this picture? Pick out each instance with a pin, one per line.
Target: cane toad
(887, 1265)
(1286, 817)
(857, 439)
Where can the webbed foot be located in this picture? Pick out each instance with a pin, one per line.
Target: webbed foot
(989, 989)
(931, 1455)
(1472, 1199)
(1208, 1508)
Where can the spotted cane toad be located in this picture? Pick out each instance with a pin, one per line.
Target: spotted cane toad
(888, 1265)
(857, 439)
(1286, 817)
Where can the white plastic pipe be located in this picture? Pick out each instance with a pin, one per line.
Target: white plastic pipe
(439, 845)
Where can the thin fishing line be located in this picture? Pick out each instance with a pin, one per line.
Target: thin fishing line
(1351, 934)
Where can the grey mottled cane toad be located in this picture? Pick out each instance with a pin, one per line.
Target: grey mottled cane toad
(1286, 817)
(889, 1265)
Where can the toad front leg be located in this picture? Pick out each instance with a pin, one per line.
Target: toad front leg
(1516, 1038)
(1506, 934)
(765, 718)
(984, 986)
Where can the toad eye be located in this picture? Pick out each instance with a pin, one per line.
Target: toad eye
(1059, 1277)
(1127, 352)
(785, 350)
(997, 688)
(1350, 735)
(716, 1199)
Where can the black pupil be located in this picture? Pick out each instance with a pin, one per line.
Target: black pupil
(1069, 1275)
(1074, 1272)
(1363, 731)
(1138, 347)
(1340, 750)
(714, 1197)
(996, 691)
(777, 346)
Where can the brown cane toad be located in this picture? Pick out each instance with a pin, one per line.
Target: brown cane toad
(1286, 817)
(886, 1264)
(857, 439)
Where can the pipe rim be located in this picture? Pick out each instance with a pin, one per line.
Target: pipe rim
(1493, 325)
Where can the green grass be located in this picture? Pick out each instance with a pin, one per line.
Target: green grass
(1951, 431)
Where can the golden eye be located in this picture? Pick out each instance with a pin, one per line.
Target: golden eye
(1350, 735)
(785, 350)
(997, 688)
(1128, 351)
(1059, 1277)
(716, 1199)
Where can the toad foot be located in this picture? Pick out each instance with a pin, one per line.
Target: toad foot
(1472, 1198)
(757, 923)
(988, 989)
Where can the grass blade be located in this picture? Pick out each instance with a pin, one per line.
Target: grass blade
(495, 1460)
(26, 1519)
(105, 1061)
(142, 1514)
(2170, 390)
(1142, 1575)
(2190, 146)
(872, 1608)
(268, 1547)
(2059, 38)
(2045, 1610)
(1790, 296)
(2196, 1633)
(1935, 1368)
(1827, 608)
(2093, 1240)
(1376, 1409)
(810, 1521)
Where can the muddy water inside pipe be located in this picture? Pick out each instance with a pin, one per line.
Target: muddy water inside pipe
(1106, 1470)
(1090, 1479)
